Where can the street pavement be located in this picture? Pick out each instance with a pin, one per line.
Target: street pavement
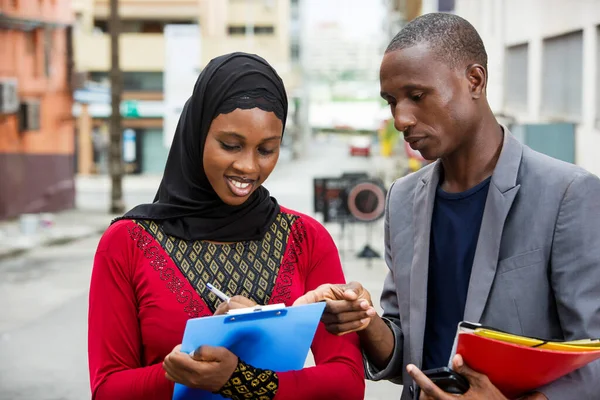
(43, 326)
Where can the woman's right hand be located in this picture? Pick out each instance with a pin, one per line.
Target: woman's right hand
(233, 303)
(349, 307)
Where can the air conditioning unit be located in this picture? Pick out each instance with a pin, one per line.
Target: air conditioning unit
(9, 100)
(29, 115)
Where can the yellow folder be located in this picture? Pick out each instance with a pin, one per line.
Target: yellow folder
(575, 345)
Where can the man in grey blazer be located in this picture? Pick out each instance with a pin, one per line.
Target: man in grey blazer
(491, 232)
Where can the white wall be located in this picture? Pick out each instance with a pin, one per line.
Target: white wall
(504, 23)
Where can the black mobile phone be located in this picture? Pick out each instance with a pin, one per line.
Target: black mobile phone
(448, 380)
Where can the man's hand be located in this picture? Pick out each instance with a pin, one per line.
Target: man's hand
(233, 303)
(481, 387)
(208, 368)
(349, 307)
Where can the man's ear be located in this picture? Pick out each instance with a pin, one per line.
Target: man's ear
(477, 77)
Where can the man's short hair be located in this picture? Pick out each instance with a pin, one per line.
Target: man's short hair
(452, 39)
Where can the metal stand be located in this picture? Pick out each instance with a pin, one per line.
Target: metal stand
(342, 249)
(367, 251)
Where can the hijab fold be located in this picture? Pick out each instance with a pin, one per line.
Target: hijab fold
(185, 204)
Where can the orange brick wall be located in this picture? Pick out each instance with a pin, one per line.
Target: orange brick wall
(27, 65)
(35, 165)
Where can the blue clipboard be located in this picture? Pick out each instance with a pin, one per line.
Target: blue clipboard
(269, 337)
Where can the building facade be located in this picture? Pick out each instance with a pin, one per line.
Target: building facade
(544, 69)
(544, 60)
(142, 61)
(257, 26)
(36, 123)
(254, 26)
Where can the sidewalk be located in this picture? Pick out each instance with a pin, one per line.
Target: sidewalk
(66, 226)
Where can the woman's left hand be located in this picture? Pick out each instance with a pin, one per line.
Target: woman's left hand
(208, 368)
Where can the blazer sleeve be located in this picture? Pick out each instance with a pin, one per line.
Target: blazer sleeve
(391, 314)
(575, 279)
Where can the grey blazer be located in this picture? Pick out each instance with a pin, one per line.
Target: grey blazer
(536, 269)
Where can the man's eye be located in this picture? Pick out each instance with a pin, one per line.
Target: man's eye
(416, 97)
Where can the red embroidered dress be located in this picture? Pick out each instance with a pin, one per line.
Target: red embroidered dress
(146, 285)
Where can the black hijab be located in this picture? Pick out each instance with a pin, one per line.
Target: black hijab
(186, 204)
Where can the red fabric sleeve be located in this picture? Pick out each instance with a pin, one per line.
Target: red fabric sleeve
(339, 372)
(114, 339)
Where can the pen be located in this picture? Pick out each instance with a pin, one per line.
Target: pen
(217, 292)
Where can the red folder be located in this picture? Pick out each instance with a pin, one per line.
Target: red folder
(516, 369)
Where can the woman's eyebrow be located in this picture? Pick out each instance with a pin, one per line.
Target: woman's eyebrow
(232, 134)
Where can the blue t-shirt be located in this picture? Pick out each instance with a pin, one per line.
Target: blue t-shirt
(455, 225)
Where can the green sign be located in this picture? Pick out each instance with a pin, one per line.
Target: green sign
(129, 109)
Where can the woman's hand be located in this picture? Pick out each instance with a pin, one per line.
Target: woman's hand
(233, 303)
(208, 368)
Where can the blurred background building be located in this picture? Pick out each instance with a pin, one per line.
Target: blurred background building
(36, 123)
(150, 54)
(543, 83)
(55, 109)
(544, 58)
(544, 68)
(142, 59)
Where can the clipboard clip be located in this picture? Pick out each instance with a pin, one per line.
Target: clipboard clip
(255, 313)
(257, 308)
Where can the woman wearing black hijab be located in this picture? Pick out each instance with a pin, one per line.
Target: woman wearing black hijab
(213, 222)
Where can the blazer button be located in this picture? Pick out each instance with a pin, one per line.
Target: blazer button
(411, 390)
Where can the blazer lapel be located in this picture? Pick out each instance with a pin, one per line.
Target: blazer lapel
(502, 192)
(422, 211)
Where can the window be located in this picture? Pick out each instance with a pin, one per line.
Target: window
(48, 42)
(446, 5)
(258, 30)
(101, 25)
(294, 11)
(139, 26)
(134, 81)
(143, 26)
(30, 42)
(143, 81)
(29, 115)
(32, 46)
(264, 30)
(562, 77)
(516, 77)
(295, 52)
(237, 30)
